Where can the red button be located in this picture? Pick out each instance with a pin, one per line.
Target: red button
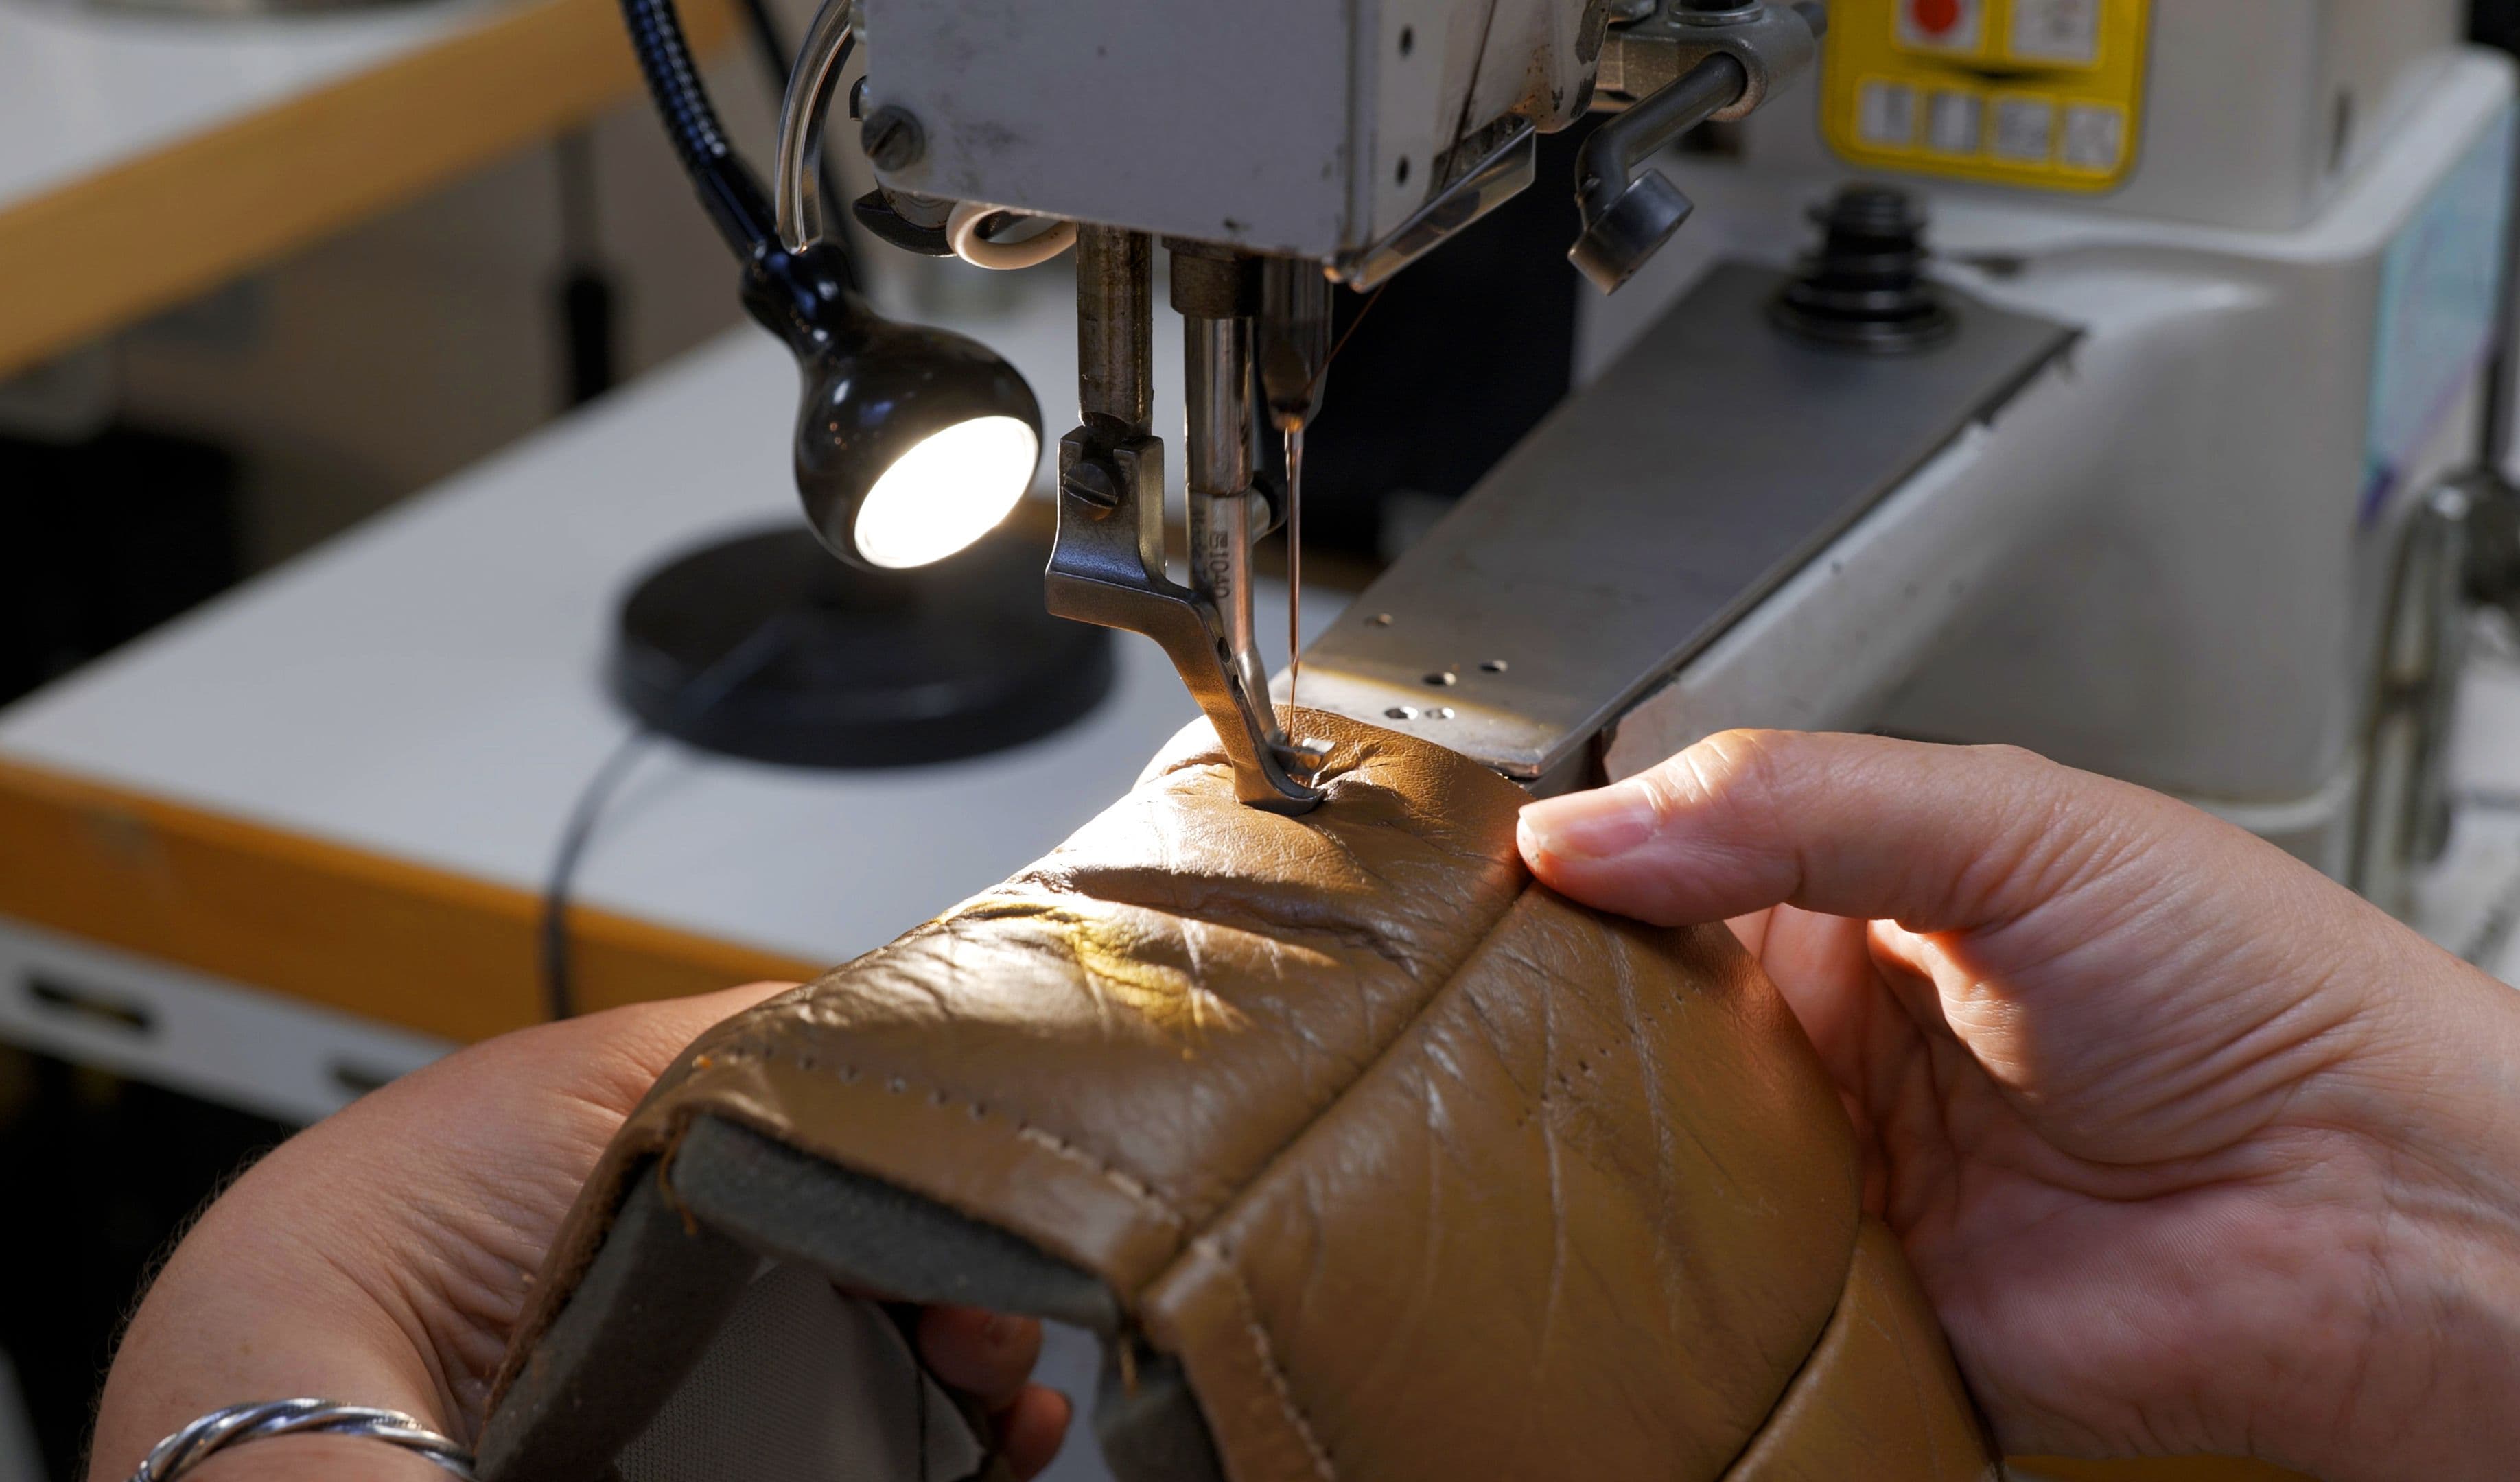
(1935, 17)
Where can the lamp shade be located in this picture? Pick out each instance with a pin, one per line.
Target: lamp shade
(912, 443)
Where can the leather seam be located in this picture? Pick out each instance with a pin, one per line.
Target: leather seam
(1216, 1249)
(1838, 1310)
(1138, 1192)
(1258, 1331)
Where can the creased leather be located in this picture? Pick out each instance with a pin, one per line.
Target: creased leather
(1419, 1170)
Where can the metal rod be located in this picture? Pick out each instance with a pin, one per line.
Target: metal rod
(1294, 571)
(1222, 505)
(1217, 375)
(1115, 354)
(1611, 156)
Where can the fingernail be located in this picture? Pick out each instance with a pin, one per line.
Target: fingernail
(1587, 825)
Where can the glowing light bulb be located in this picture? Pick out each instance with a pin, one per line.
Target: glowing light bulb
(947, 492)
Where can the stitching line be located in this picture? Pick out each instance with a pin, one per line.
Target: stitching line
(1208, 1247)
(1135, 1189)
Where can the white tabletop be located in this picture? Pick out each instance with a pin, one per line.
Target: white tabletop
(84, 90)
(428, 687)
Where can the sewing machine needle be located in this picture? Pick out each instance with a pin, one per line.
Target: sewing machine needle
(1294, 569)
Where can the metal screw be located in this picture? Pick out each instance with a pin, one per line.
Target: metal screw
(1090, 480)
(892, 138)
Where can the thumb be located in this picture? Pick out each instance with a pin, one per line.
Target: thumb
(1938, 838)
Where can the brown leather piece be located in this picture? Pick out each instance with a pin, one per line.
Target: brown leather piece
(1880, 1397)
(1419, 1170)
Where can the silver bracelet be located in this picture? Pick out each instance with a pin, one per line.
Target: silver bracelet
(189, 1447)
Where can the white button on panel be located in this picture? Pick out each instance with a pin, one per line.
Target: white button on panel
(1942, 25)
(1886, 114)
(2095, 138)
(2062, 31)
(1954, 122)
(2025, 130)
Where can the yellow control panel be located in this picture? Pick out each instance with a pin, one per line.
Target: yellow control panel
(2040, 93)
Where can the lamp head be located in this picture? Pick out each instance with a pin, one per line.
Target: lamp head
(911, 442)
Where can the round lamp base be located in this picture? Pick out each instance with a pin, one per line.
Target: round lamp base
(766, 647)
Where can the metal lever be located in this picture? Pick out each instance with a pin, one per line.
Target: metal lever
(1730, 56)
(1108, 565)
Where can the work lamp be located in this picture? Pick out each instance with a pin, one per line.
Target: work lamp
(926, 641)
(912, 443)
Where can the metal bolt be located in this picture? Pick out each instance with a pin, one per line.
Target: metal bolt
(892, 138)
(1090, 480)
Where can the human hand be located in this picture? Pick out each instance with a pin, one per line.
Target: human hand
(380, 1257)
(2194, 1150)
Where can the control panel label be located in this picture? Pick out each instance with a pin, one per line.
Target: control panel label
(2041, 92)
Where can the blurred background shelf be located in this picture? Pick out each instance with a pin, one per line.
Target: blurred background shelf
(145, 158)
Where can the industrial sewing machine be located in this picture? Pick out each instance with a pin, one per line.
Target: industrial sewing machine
(2151, 469)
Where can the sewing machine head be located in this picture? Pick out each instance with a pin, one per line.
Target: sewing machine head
(1275, 151)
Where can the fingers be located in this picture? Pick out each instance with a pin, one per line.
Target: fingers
(991, 1357)
(1936, 837)
(985, 1355)
(1030, 1430)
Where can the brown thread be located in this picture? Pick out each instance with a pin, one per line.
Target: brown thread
(1139, 1193)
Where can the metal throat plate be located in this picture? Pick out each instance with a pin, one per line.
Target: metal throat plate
(1648, 515)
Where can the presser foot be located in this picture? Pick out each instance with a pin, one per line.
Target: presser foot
(1107, 568)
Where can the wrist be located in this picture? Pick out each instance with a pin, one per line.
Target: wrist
(242, 1316)
(316, 1458)
(2423, 1336)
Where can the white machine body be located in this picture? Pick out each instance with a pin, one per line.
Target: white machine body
(2172, 560)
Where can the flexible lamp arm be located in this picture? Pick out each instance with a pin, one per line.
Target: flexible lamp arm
(728, 189)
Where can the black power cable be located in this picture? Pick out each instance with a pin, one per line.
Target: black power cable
(705, 692)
